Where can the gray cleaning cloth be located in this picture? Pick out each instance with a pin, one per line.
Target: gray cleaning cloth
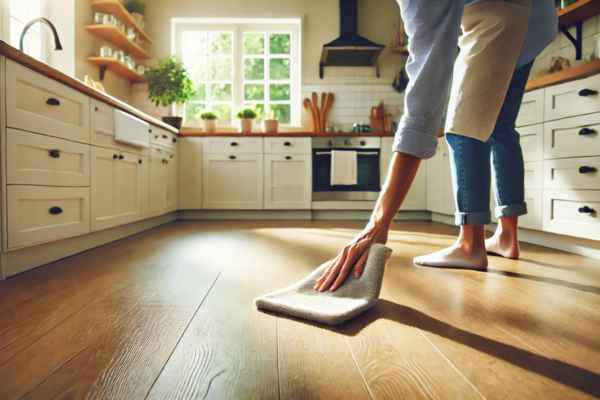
(352, 298)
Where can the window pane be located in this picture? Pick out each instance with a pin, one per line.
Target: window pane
(220, 91)
(223, 112)
(280, 43)
(192, 112)
(254, 92)
(279, 68)
(254, 69)
(221, 42)
(194, 45)
(254, 43)
(280, 92)
(220, 69)
(282, 112)
(200, 93)
(258, 107)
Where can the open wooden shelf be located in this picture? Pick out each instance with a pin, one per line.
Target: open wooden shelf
(118, 68)
(578, 11)
(570, 74)
(116, 8)
(114, 35)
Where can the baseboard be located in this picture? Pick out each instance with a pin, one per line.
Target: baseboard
(15, 262)
(353, 215)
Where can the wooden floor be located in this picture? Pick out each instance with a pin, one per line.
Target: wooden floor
(168, 314)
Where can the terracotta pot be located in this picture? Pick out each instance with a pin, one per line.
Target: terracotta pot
(246, 125)
(271, 126)
(210, 125)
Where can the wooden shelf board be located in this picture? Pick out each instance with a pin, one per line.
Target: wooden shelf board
(115, 36)
(578, 11)
(399, 50)
(118, 68)
(116, 8)
(570, 74)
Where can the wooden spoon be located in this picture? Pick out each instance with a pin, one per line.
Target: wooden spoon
(326, 109)
(308, 105)
(315, 105)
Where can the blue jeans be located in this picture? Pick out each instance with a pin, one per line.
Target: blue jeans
(472, 162)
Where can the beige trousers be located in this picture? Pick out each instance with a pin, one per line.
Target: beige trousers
(493, 35)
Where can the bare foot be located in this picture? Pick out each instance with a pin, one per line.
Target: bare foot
(455, 256)
(503, 246)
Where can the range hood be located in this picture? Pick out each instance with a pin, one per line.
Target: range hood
(350, 49)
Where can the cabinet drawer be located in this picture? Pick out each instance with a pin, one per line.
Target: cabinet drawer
(287, 145)
(162, 137)
(572, 98)
(532, 108)
(572, 137)
(572, 173)
(534, 175)
(43, 214)
(42, 105)
(42, 160)
(534, 216)
(573, 213)
(531, 139)
(234, 145)
(103, 128)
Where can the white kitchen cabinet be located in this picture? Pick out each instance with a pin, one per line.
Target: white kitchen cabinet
(572, 212)
(439, 181)
(158, 172)
(233, 181)
(532, 108)
(172, 165)
(288, 181)
(190, 173)
(116, 188)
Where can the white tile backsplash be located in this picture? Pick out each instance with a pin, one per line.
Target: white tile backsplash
(353, 102)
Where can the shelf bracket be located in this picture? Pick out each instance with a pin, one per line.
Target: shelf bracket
(103, 69)
(577, 41)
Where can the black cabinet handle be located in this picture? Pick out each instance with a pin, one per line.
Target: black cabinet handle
(149, 130)
(587, 92)
(587, 132)
(586, 169)
(55, 210)
(363, 143)
(174, 140)
(54, 153)
(155, 136)
(121, 156)
(140, 161)
(165, 137)
(96, 109)
(288, 144)
(232, 157)
(288, 157)
(586, 210)
(233, 144)
(115, 156)
(53, 102)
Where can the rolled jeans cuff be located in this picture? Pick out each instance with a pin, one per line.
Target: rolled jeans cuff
(415, 143)
(472, 218)
(511, 210)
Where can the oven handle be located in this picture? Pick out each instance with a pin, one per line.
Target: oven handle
(360, 153)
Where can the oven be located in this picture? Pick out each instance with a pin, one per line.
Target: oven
(368, 176)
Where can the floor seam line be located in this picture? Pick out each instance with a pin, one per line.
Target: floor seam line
(187, 326)
(439, 351)
(277, 358)
(371, 396)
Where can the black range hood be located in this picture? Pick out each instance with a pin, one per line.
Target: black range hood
(350, 49)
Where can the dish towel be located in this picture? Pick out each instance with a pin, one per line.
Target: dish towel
(351, 299)
(344, 168)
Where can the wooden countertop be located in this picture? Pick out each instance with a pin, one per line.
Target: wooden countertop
(188, 132)
(570, 74)
(18, 56)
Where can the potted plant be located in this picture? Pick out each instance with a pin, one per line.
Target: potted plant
(271, 124)
(168, 84)
(137, 10)
(210, 121)
(246, 117)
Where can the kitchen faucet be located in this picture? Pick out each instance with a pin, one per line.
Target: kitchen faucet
(57, 44)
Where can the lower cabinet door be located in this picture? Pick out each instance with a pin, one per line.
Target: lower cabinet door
(288, 182)
(172, 182)
(572, 213)
(158, 183)
(233, 181)
(116, 188)
(38, 214)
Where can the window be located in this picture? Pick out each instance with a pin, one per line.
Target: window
(19, 13)
(241, 63)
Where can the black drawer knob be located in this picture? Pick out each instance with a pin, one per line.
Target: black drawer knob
(115, 156)
(587, 92)
(233, 144)
(586, 210)
(288, 157)
(165, 137)
(232, 157)
(587, 169)
(587, 132)
(54, 153)
(140, 161)
(121, 156)
(363, 143)
(55, 210)
(288, 144)
(96, 109)
(174, 140)
(53, 102)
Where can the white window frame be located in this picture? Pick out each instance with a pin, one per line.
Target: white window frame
(238, 26)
